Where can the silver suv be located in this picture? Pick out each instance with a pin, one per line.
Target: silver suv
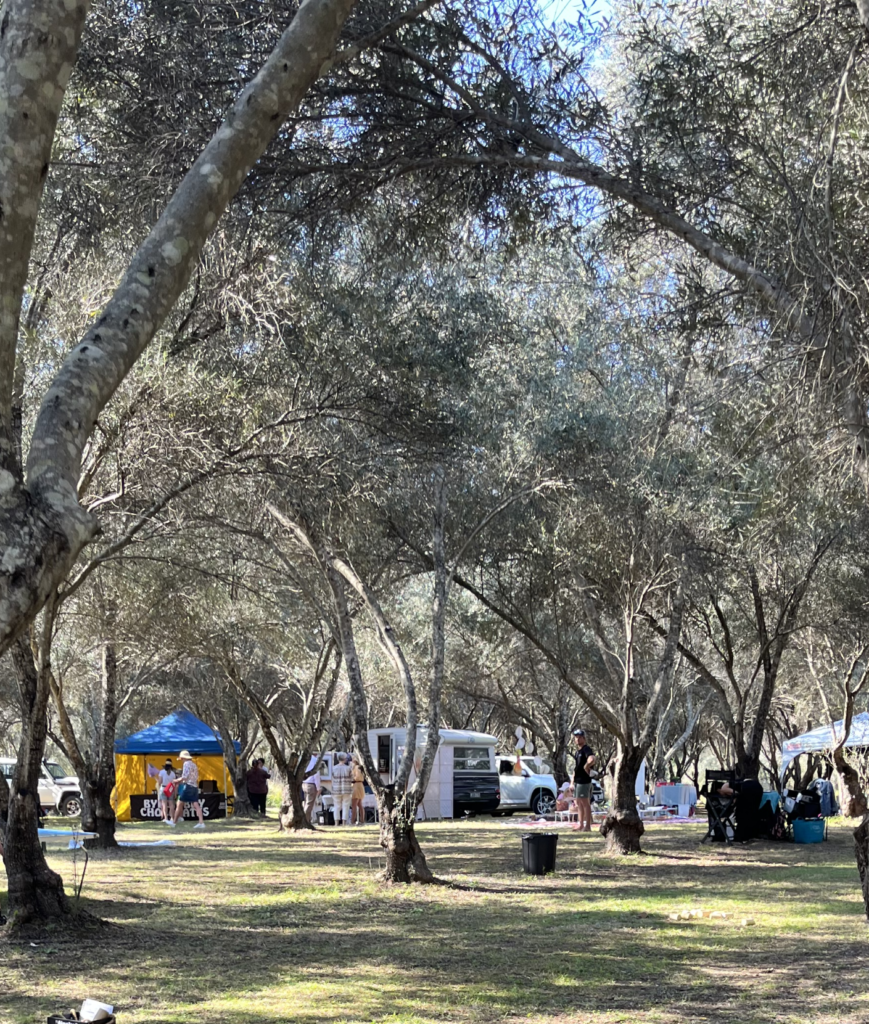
(58, 793)
(528, 791)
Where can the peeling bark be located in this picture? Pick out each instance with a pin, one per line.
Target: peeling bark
(854, 804)
(623, 826)
(292, 814)
(42, 526)
(861, 851)
(39, 40)
(405, 861)
(95, 771)
(36, 892)
(241, 805)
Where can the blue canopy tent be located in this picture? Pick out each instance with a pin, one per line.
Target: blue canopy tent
(164, 740)
(824, 738)
(181, 730)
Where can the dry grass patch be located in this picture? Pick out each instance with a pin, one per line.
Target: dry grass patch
(241, 925)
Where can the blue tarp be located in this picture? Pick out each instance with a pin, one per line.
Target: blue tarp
(825, 737)
(181, 730)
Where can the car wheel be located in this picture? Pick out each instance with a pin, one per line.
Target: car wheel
(543, 802)
(70, 806)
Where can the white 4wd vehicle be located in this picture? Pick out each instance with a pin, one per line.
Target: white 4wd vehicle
(530, 791)
(58, 793)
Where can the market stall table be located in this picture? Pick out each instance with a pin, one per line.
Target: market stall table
(74, 841)
(146, 807)
(683, 797)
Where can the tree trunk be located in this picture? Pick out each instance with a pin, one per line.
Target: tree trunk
(96, 772)
(861, 850)
(292, 814)
(35, 891)
(695, 772)
(4, 803)
(241, 805)
(810, 772)
(97, 813)
(623, 826)
(747, 764)
(405, 861)
(853, 799)
(559, 751)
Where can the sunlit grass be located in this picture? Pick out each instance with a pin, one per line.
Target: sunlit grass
(242, 925)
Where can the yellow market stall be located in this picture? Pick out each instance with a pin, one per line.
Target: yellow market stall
(135, 796)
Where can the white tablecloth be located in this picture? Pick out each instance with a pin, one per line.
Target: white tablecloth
(674, 795)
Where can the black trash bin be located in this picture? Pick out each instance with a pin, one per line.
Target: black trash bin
(538, 852)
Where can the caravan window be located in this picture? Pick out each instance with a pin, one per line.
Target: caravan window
(471, 759)
(384, 758)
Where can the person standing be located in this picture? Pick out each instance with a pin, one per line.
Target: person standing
(583, 755)
(166, 792)
(188, 789)
(311, 788)
(342, 787)
(258, 785)
(357, 793)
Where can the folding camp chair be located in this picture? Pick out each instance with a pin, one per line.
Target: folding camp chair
(719, 808)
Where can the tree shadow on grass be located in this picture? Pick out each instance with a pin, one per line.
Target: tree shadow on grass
(269, 930)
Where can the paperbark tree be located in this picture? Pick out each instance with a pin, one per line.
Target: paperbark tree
(398, 801)
(295, 716)
(95, 768)
(42, 525)
(824, 660)
(232, 722)
(763, 188)
(36, 892)
(743, 671)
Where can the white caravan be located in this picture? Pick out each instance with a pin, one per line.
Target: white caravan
(463, 778)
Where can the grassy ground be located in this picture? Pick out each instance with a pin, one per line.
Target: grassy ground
(240, 925)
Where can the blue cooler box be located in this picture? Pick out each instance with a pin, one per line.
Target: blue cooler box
(809, 831)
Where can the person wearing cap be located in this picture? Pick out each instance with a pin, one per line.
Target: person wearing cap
(583, 755)
(166, 792)
(188, 790)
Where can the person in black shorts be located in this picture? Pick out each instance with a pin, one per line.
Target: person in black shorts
(583, 755)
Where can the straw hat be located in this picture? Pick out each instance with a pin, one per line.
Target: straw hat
(185, 755)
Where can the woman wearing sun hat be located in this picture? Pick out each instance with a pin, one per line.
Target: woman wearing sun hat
(188, 789)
